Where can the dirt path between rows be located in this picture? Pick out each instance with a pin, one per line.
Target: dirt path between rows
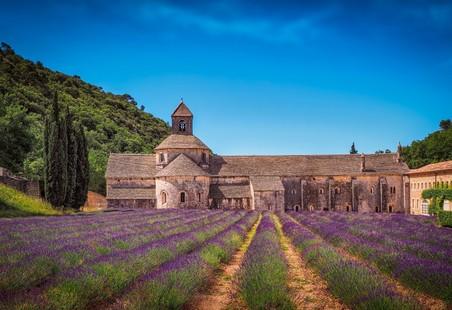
(221, 290)
(307, 289)
(426, 301)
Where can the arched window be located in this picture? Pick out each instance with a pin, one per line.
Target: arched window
(182, 197)
(182, 126)
(390, 209)
(162, 157)
(164, 197)
(321, 191)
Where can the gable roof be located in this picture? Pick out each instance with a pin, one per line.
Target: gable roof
(296, 165)
(182, 110)
(266, 183)
(131, 166)
(131, 193)
(441, 166)
(143, 165)
(176, 141)
(181, 166)
(230, 191)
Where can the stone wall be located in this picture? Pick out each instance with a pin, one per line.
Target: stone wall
(131, 203)
(344, 193)
(269, 200)
(28, 187)
(195, 189)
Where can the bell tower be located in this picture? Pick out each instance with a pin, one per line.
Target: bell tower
(182, 120)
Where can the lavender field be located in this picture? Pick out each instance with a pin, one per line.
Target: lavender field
(166, 259)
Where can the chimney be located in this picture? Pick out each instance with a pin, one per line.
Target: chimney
(399, 153)
(363, 163)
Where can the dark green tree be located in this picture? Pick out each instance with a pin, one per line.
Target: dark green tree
(82, 178)
(55, 156)
(16, 138)
(353, 149)
(445, 124)
(72, 161)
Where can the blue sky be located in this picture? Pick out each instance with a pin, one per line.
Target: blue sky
(262, 77)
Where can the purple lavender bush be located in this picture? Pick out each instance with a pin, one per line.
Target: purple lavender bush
(354, 284)
(263, 273)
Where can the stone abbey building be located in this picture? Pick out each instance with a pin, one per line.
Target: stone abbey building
(184, 173)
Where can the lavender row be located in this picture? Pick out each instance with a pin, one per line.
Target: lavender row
(430, 274)
(48, 231)
(101, 281)
(353, 283)
(263, 273)
(119, 234)
(174, 283)
(50, 265)
(383, 233)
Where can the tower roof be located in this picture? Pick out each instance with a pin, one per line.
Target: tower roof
(182, 110)
(181, 166)
(176, 141)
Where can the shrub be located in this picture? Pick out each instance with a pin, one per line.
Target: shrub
(445, 218)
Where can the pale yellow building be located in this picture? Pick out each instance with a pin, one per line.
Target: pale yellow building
(439, 174)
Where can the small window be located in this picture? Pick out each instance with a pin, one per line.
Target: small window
(162, 157)
(321, 191)
(371, 190)
(182, 197)
(182, 126)
(199, 197)
(204, 157)
(337, 190)
(293, 192)
(164, 197)
(390, 209)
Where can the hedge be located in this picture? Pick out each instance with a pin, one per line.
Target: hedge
(445, 218)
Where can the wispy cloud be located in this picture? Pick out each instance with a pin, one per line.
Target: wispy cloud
(295, 30)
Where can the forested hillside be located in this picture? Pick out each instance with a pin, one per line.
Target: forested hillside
(113, 123)
(436, 147)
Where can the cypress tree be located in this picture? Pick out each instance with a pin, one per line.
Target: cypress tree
(72, 158)
(82, 178)
(56, 156)
(353, 149)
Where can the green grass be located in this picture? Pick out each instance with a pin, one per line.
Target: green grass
(15, 204)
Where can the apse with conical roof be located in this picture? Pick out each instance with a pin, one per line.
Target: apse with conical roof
(182, 141)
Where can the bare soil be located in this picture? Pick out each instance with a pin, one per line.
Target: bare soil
(424, 300)
(308, 289)
(221, 291)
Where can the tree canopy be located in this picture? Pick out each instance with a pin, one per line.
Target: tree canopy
(112, 123)
(436, 147)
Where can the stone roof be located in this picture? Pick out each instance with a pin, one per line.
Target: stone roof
(131, 166)
(182, 110)
(266, 183)
(441, 166)
(181, 166)
(131, 193)
(176, 141)
(230, 191)
(295, 165)
(143, 166)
